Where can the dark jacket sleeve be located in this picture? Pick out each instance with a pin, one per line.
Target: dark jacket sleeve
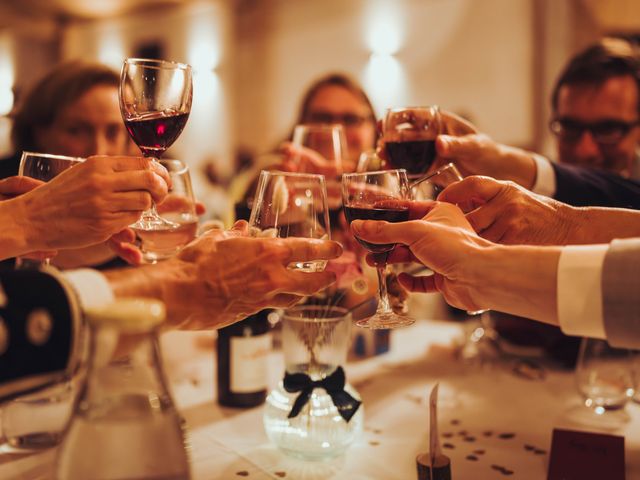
(582, 187)
(40, 322)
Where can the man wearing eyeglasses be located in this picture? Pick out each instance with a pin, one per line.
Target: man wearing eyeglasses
(596, 108)
(596, 119)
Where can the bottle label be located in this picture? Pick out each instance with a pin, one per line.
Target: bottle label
(248, 358)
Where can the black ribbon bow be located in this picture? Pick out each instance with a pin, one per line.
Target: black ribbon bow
(334, 386)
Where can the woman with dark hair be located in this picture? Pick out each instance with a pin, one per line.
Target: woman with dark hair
(336, 98)
(73, 110)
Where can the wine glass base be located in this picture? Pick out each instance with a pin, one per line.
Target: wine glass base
(385, 321)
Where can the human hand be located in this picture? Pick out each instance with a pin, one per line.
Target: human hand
(443, 241)
(91, 201)
(504, 212)
(478, 154)
(123, 242)
(13, 186)
(224, 276)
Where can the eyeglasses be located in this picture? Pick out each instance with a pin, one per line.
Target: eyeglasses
(606, 132)
(346, 119)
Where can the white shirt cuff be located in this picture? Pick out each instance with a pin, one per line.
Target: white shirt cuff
(91, 286)
(580, 290)
(545, 183)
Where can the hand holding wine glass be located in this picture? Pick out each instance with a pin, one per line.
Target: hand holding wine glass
(380, 195)
(88, 203)
(291, 205)
(155, 102)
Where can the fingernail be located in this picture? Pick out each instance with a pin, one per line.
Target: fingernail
(356, 225)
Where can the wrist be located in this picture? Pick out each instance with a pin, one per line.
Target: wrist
(15, 239)
(521, 280)
(28, 219)
(519, 165)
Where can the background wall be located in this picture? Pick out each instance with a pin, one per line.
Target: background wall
(467, 56)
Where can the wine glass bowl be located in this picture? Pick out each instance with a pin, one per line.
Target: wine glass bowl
(409, 135)
(378, 195)
(291, 205)
(179, 209)
(604, 375)
(155, 102)
(428, 187)
(44, 166)
(329, 142)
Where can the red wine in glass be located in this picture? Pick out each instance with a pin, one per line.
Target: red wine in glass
(155, 132)
(378, 195)
(371, 212)
(409, 135)
(415, 156)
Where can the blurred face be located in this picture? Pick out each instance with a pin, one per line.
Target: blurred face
(597, 126)
(92, 125)
(335, 104)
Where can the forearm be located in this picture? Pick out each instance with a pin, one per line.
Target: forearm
(83, 257)
(520, 280)
(162, 282)
(13, 240)
(593, 225)
(517, 166)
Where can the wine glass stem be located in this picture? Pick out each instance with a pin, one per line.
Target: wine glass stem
(151, 214)
(383, 298)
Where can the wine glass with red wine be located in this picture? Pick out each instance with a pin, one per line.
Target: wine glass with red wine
(378, 196)
(155, 101)
(409, 135)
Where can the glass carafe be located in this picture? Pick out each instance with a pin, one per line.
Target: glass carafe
(313, 413)
(124, 425)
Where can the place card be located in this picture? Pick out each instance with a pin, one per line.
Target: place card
(584, 456)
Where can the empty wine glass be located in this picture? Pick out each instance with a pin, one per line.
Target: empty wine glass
(329, 142)
(605, 375)
(409, 135)
(291, 205)
(155, 102)
(369, 161)
(42, 166)
(178, 208)
(375, 196)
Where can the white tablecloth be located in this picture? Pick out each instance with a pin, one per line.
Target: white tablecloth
(476, 405)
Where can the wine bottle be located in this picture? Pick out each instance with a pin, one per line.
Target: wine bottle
(242, 361)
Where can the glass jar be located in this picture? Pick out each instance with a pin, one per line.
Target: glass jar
(313, 413)
(124, 424)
